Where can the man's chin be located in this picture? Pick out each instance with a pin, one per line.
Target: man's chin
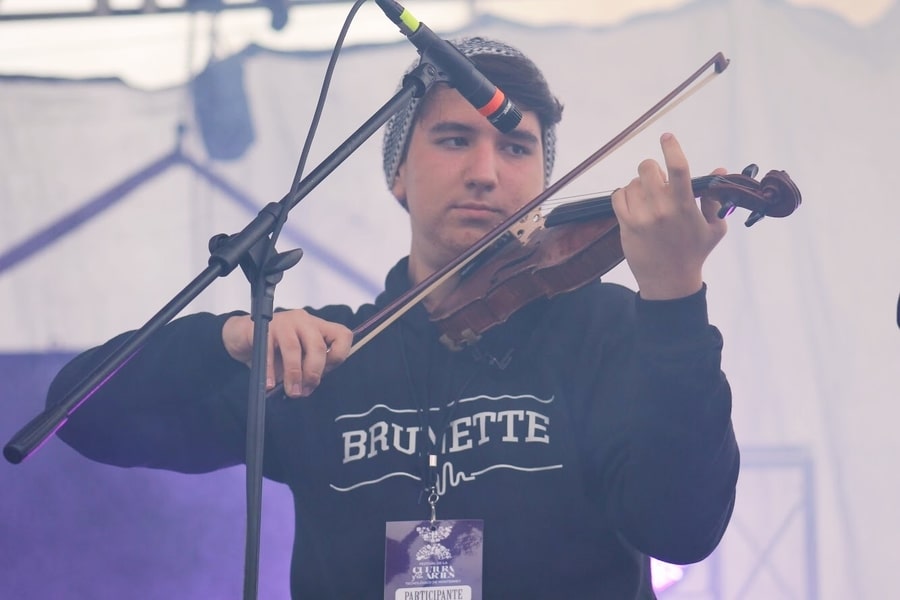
(472, 235)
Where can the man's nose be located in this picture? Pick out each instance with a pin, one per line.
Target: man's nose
(482, 165)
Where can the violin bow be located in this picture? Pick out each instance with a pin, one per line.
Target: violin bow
(378, 322)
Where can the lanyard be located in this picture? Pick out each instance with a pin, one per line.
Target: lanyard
(429, 457)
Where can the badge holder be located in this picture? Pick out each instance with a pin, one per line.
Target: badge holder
(432, 559)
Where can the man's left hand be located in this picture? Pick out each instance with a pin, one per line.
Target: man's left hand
(666, 236)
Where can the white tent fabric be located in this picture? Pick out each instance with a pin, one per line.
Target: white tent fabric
(806, 304)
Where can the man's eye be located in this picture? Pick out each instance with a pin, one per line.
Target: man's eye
(518, 150)
(453, 142)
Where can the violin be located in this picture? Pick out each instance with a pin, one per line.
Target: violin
(575, 244)
(571, 247)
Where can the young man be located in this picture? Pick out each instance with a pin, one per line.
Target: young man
(587, 433)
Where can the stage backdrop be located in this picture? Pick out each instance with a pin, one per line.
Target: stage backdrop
(109, 196)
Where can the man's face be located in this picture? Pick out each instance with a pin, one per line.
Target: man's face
(462, 177)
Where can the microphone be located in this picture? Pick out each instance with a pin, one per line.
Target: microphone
(487, 98)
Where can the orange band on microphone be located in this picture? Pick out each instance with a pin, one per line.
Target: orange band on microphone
(494, 105)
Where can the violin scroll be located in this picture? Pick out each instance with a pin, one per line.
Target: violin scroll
(775, 195)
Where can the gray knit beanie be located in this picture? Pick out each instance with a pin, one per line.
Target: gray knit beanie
(396, 132)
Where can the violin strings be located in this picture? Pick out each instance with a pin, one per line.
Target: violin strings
(553, 203)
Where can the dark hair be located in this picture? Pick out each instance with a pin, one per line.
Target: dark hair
(520, 79)
(511, 71)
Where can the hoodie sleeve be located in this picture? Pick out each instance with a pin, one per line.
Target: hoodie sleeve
(177, 404)
(667, 460)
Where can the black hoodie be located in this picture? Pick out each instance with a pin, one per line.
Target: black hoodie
(589, 432)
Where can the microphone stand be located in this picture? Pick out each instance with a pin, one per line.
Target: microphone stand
(249, 249)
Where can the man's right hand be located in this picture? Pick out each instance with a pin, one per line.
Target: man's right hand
(301, 348)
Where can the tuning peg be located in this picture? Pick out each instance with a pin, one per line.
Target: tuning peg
(754, 218)
(727, 207)
(750, 171)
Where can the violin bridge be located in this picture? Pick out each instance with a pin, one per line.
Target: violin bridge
(525, 227)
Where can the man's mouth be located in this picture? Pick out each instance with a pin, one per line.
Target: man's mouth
(476, 209)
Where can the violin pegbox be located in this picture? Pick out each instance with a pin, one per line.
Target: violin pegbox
(775, 195)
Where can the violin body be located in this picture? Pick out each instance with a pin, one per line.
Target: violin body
(552, 261)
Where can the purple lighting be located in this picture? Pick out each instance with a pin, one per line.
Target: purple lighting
(664, 575)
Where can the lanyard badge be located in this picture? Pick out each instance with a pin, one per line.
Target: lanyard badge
(433, 560)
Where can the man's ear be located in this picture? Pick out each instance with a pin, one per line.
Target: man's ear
(398, 189)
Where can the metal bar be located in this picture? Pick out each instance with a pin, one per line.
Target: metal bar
(103, 8)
